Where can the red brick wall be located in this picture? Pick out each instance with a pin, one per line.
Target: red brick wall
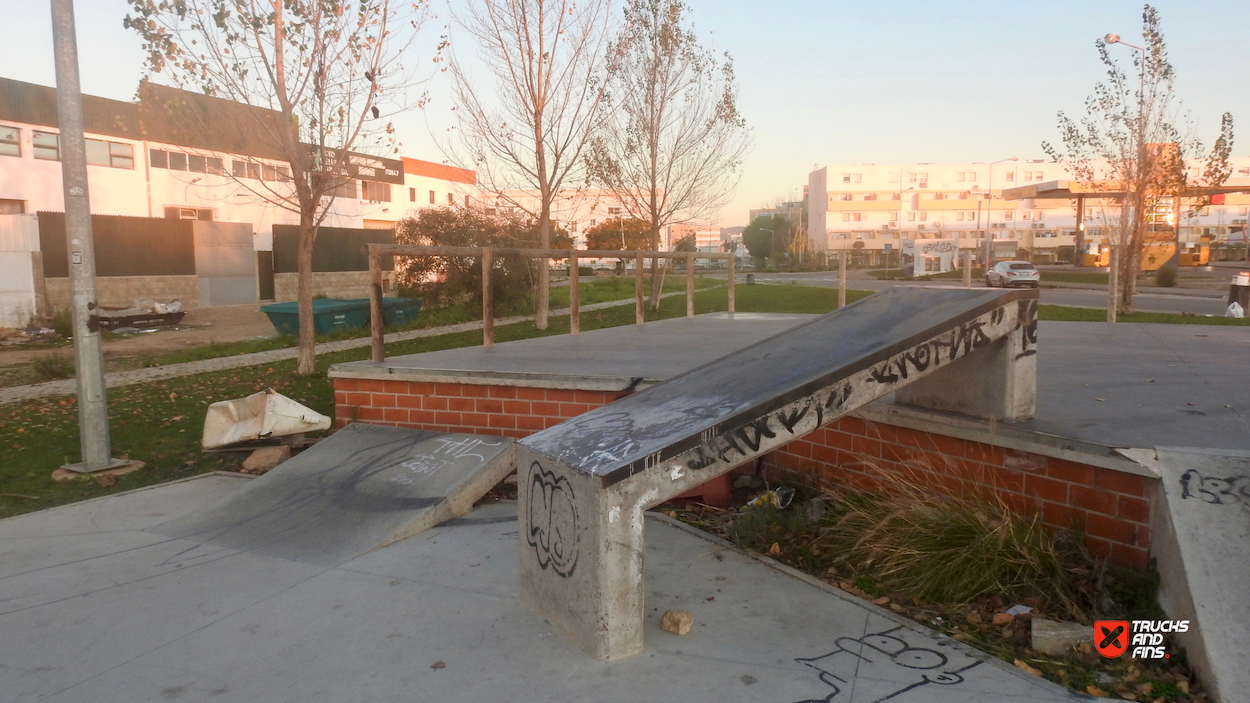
(1112, 507)
(460, 407)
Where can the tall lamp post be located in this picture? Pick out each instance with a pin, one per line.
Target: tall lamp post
(1137, 200)
(989, 211)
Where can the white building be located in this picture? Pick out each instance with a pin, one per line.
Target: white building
(875, 205)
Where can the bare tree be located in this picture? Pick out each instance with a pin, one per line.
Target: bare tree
(1128, 142)
(526, 130)
(673, 143)
(316, 71)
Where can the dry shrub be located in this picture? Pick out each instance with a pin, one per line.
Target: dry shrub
(958, 548)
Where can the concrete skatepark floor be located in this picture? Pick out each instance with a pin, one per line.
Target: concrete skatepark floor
(97, 606)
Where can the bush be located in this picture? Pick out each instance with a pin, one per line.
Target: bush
(53, 367)
(456, 279)
(1165, 277)
(63, 323)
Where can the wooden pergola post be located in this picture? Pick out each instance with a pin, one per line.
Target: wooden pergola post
(375, 305)
(690, 285)
(575, 294)
(639, 312)
(488, 299)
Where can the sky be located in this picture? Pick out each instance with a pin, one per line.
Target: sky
(825, 82)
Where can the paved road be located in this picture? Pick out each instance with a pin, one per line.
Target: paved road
(1077, 297)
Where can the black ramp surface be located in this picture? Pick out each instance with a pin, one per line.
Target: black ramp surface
(762, 377)
(361, 488)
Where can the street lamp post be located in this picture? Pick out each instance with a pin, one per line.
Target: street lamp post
(989, 211)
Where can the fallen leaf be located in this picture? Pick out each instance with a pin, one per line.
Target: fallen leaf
(775, 549)
(1095, 691)
(1145, 688)
(1024, 666)
(1101, 400)
(1183, 685)
(438, 665)
(883, 600)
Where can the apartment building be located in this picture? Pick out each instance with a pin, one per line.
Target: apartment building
(144, 161)
(881, 206)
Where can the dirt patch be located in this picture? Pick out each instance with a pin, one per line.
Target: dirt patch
(200, 327)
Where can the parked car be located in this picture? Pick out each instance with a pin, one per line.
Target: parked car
(1008, 274)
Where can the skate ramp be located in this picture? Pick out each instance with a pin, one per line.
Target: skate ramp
(1201, 542)
(362, 488)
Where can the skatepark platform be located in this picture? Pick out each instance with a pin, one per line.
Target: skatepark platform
(98, 605)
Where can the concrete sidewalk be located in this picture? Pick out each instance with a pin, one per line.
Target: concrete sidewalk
(96, 605)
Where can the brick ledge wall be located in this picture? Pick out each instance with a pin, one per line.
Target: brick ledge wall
(1112, 507)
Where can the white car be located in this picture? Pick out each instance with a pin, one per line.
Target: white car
(1008, 274)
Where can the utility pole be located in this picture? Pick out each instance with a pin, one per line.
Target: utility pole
(89, 358)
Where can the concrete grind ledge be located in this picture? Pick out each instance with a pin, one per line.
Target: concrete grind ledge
(96, 607)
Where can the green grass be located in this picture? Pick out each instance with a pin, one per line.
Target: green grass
(160, 423)
(1067, 314)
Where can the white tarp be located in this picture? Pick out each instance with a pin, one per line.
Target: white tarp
(258, 416)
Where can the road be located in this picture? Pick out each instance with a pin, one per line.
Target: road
(1075, 297)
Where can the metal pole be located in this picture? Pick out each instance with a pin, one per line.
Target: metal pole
(732, 258)
(89, 358)
(639, 316)
(690, 285)
(376, 314)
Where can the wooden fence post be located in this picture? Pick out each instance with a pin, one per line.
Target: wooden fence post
(639, 316)
(842, 280)
(732, 256)
(375, 305)
(575, 295)
(488, 299)
(690, 285)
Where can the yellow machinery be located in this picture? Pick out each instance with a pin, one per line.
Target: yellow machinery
(1097, 253)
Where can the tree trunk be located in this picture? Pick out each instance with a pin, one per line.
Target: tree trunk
(655, 268)
(307, 335)
(544, 268)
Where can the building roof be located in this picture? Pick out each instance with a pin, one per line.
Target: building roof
(161, 114)
(442, 172)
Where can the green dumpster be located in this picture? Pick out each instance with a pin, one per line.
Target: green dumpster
(396, 312)
(329, 315)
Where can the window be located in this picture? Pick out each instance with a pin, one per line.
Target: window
(911, 178)
(870, 196)
(911, 217)
(1089, 212)
(346, 190)
(844, 196)
(846, 217)
(268, 172)
(253, 170)
(846, 178)
(159, 158)
(1243, 172)
(375, 192)
(216, 165)
(412, 195)
(10, 143)
(924, 177)
(939, 196)
(177, 161)
(960, 176)
(932, 264)
(196, 163)
(972, 176)
(963, 195)
(896, 196)
(857, 177)
(1009, 214)
(1011, 175)
(856, 216)
(924, 217)
(451, 199)
(12, 207)
(1026, 215)
(431, 197)
(46, 145)
(1028, 175)
(1037, 175)
(175, 212)
(893, 217)
(238, 169)
(960, 216)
